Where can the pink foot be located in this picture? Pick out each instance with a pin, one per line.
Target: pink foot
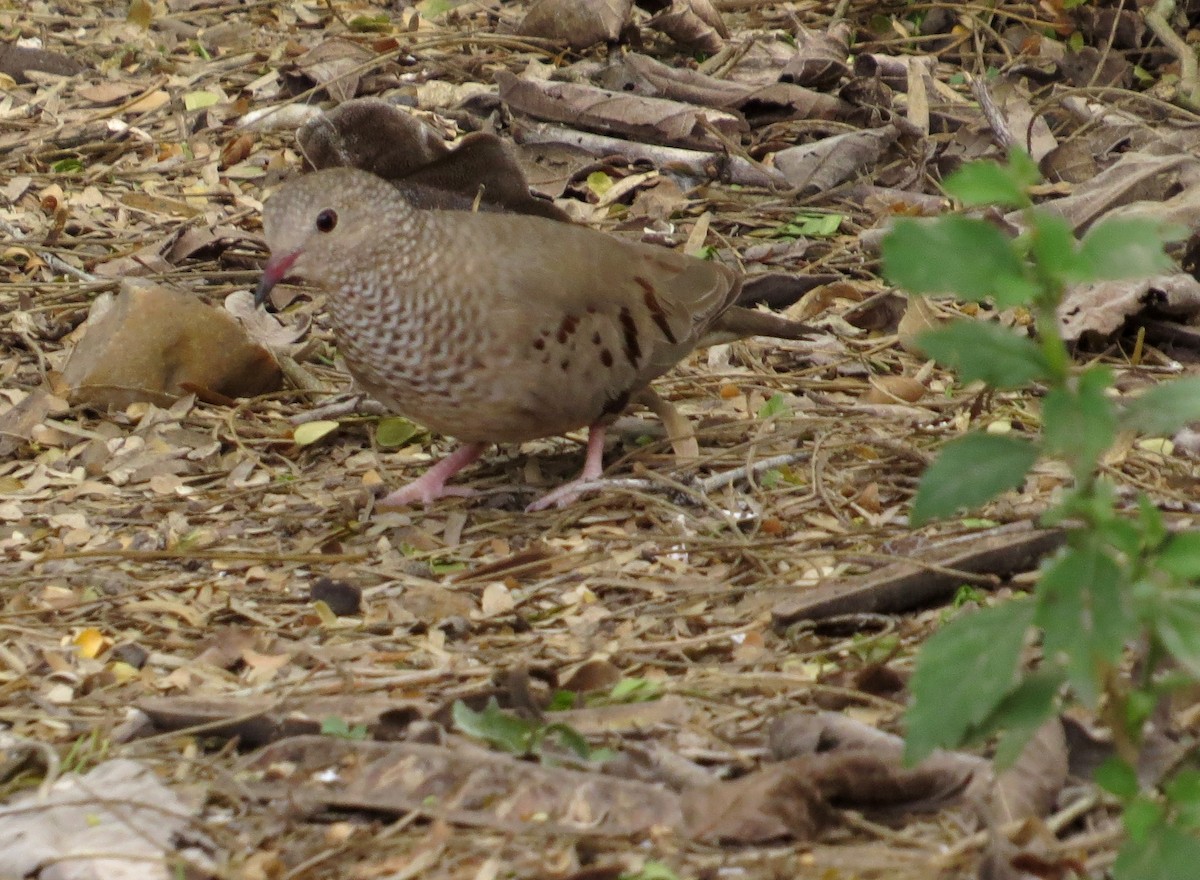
(431, 485)
(593, 467)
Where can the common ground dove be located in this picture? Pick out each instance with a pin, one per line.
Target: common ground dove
(491, 327)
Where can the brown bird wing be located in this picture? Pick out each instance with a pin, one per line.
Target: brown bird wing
(576, 322)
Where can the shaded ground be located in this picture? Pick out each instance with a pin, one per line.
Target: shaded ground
(173, 552)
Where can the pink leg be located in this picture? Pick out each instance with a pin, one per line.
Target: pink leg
(593, 467)
(431, 485)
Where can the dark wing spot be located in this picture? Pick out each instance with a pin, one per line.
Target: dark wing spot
(566, 328)
(606, 357)
(539, 344)
(564, 363)
(632, 349)
(596, 338)
(655, 308)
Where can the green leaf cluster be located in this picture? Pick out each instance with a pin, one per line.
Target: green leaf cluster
(1122, 578)
(522, 736)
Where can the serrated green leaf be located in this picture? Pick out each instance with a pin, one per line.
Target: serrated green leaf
(964, 671)
(1028, 706)
(310, 432)
(1125, 248)
(987, 183)
(1180, 555)
(1183, 791)
(961, 255)
(1117, 777)
(1165, 408)
(1161, 851)
(1055, 249)
(980, 350)
(1084, 616)
(1176, 623)
(970, 471)
(395, 431)
(1080, 423)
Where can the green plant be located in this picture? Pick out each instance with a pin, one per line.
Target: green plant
(1123, 583)
(336, 726)
(522, 736)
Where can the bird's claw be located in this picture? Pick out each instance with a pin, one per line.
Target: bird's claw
(565, 495)
(425, 494)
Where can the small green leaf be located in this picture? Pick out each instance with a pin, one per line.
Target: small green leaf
(1176, 623)
(961, 255)
(371, 24)
(568, 737)
(810, 224)
(1125, 248)
(634, 690)
(1117, 777)
(969, 471)
(67, 166)
(431, 9)
(335, 726)
(200, 100)
(1180, 555)
(776, 406)
(310, 432)
(1165, 408)
(448, 566)
(1084, 616)
(980, 350)
(599, 182)
(770, 478)
(1079, 424)
(1158, 850)
(494, 726)
(964, 671)
(651, 871)
(1183, 791)
(1055, 249)
(987, 183)
(395, 431)
(1023, 710)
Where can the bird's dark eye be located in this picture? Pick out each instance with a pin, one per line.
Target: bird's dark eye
(326, 220)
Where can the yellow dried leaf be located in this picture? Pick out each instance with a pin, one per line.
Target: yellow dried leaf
(496, 599)
(123, 672)
(200, 100)
(141, 13)
(1159, 445)
(328, 618)
(89, 643)
(153, 101)
(311, 432)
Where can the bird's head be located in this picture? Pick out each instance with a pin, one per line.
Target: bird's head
(317, 226)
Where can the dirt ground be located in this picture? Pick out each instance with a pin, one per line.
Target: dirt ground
(161, 565)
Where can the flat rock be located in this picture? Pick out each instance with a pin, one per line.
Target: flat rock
(151, 343)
